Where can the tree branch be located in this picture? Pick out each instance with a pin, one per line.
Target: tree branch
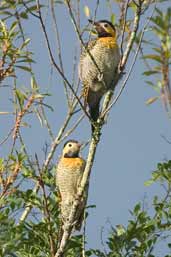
(123, 61)
(67, 229)
(55, 64)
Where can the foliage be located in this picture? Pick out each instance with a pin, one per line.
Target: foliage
(158, 62)
(144, 230)
(12, 57)
(29, 202)
(26, 238)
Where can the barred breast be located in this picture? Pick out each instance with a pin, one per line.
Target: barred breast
(69, 174)
(68, 177)
(107, 59)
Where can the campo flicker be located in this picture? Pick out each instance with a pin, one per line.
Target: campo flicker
(98, 65)
(69, 173)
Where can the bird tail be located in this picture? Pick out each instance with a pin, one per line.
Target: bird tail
(81, 213)
(78, 225)
(94, 113)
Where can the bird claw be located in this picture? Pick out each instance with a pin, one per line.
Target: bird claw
(74, 223)
(100, 77)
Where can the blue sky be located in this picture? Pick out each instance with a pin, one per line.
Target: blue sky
(131, 144)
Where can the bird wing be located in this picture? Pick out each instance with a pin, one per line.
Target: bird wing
(89, 45)
(85, 90)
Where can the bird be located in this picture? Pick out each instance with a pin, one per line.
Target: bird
(98, 65)
(69, 173)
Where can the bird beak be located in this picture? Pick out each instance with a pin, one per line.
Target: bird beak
(91, 21)
(80, 145)
(94, 23)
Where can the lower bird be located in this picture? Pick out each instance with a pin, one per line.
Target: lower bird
(98, 65)
(69, 173)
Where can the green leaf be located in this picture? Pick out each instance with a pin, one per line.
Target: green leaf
(154, 57)
(150, 72)
(87, 11)
(28, 60)
(34, 84)
(26, 42)
(152, 100)
(13, 26)
(91, 206)
(120, 230)
(113, 18)
(148, 182)
(23, 68)
(24, 15)
(20, 97)
(137, 208)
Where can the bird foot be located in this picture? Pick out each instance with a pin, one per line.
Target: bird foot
(100, 77)
(74, 223)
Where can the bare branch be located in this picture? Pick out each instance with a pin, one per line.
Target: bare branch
(45, 120)
(123, 61)
(7, 137)
(29, 205)
(55, 25)
(53, 60)
(93, 146)
(132, 37)
(74, 127)
(124, 25)
(79, 35)
(46, 208)
(131, 68)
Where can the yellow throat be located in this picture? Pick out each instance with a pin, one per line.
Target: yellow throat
(109, 42)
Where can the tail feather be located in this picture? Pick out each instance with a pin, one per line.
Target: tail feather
(94, 113)
(81, 217)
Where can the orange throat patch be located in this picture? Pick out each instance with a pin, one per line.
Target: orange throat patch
(109, 42)
(73, 162)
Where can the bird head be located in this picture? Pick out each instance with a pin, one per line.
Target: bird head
(104, 28)
(71, 149)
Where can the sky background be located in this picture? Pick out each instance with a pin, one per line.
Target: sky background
(131, 143)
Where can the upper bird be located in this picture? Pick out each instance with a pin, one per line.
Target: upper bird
(70, 169)
(98, 65)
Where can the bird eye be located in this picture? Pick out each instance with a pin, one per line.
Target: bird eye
(70, 145)
(105, 25)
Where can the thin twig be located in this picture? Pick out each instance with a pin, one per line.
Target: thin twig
(59, 51)
(54, 63)
(79, 35)
(123, 61)
(7, 137)
(84, 235)
(132, 37)
(124, 26)
(25, 151)
(46, 208)
(28, 9)
(29, 206)
(132, 65)
(165, 139)
(21, 115)
(46, 121)
(129, 72)
(74, 127)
